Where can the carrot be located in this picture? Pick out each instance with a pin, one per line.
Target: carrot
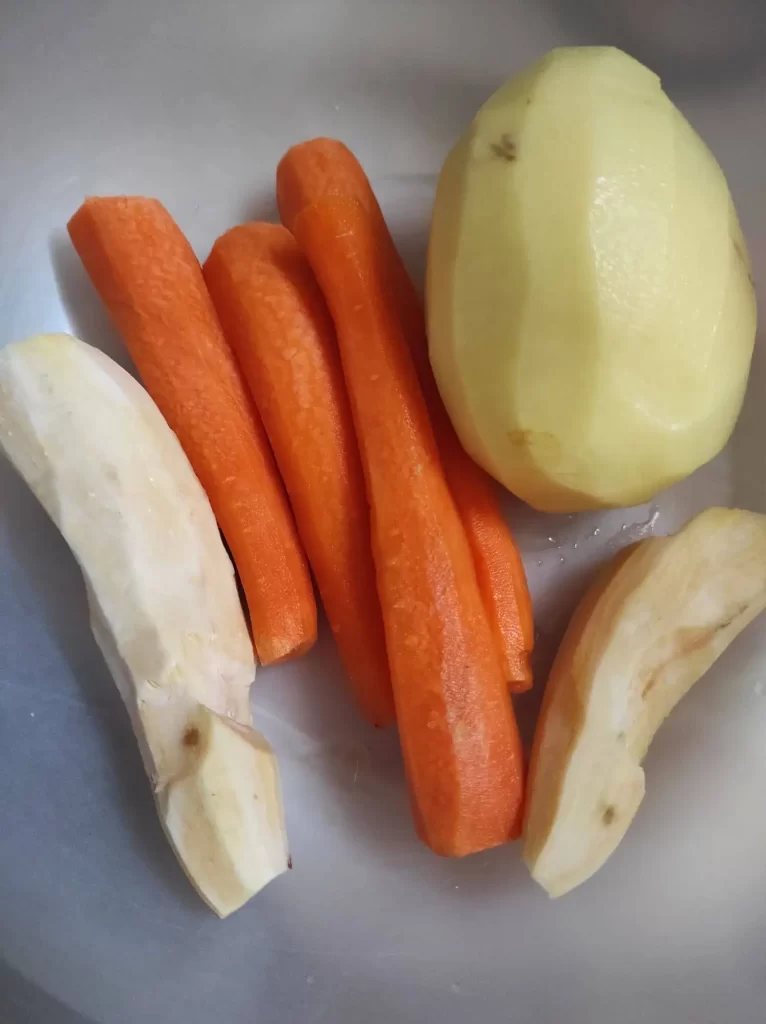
(325, 167)
(149, 278)
(275, 317)
(458, 733)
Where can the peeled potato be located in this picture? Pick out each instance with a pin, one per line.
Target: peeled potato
(643, 635)
(591, 313)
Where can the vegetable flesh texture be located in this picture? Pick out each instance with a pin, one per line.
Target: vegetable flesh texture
(641, 638)
(164, 607)
(588, 287)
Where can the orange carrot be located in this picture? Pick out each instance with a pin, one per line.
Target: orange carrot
(325, 167)
(459, 737)
(149, 278)
(275, 317)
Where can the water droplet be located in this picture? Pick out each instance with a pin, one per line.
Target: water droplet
(455, 986)
(539, 562)
(562, 559)
(309, 979)
(551, 540)
(759, 689)
(457, 886)
(31, 714)
(575, 544)
(637, 531)
(596, 532)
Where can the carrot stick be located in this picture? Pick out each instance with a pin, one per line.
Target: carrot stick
(152, 285)
(325, 167)
(459, 738)
(275, 317)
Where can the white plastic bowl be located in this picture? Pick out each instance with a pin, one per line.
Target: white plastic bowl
(194, 102)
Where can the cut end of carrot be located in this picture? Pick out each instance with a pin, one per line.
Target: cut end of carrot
(270, 653)
(261, 240)
(519, 675)
(136, 209)
(125, 202)
(319, 169)
(241, 249)
(463, 845)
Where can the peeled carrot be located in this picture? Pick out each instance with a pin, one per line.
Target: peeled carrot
(459, 737)
(322, 168)
(151, 282)
(276, 319)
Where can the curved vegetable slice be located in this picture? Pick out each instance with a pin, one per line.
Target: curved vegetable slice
(644, 634)
(151, 283)
(164, 607)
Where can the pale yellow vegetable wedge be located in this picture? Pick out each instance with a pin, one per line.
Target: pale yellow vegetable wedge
(98, 455)
(654, 622)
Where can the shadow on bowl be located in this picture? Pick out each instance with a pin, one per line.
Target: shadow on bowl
(21, 1001)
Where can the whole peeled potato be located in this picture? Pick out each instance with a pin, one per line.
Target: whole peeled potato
(591, 310)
